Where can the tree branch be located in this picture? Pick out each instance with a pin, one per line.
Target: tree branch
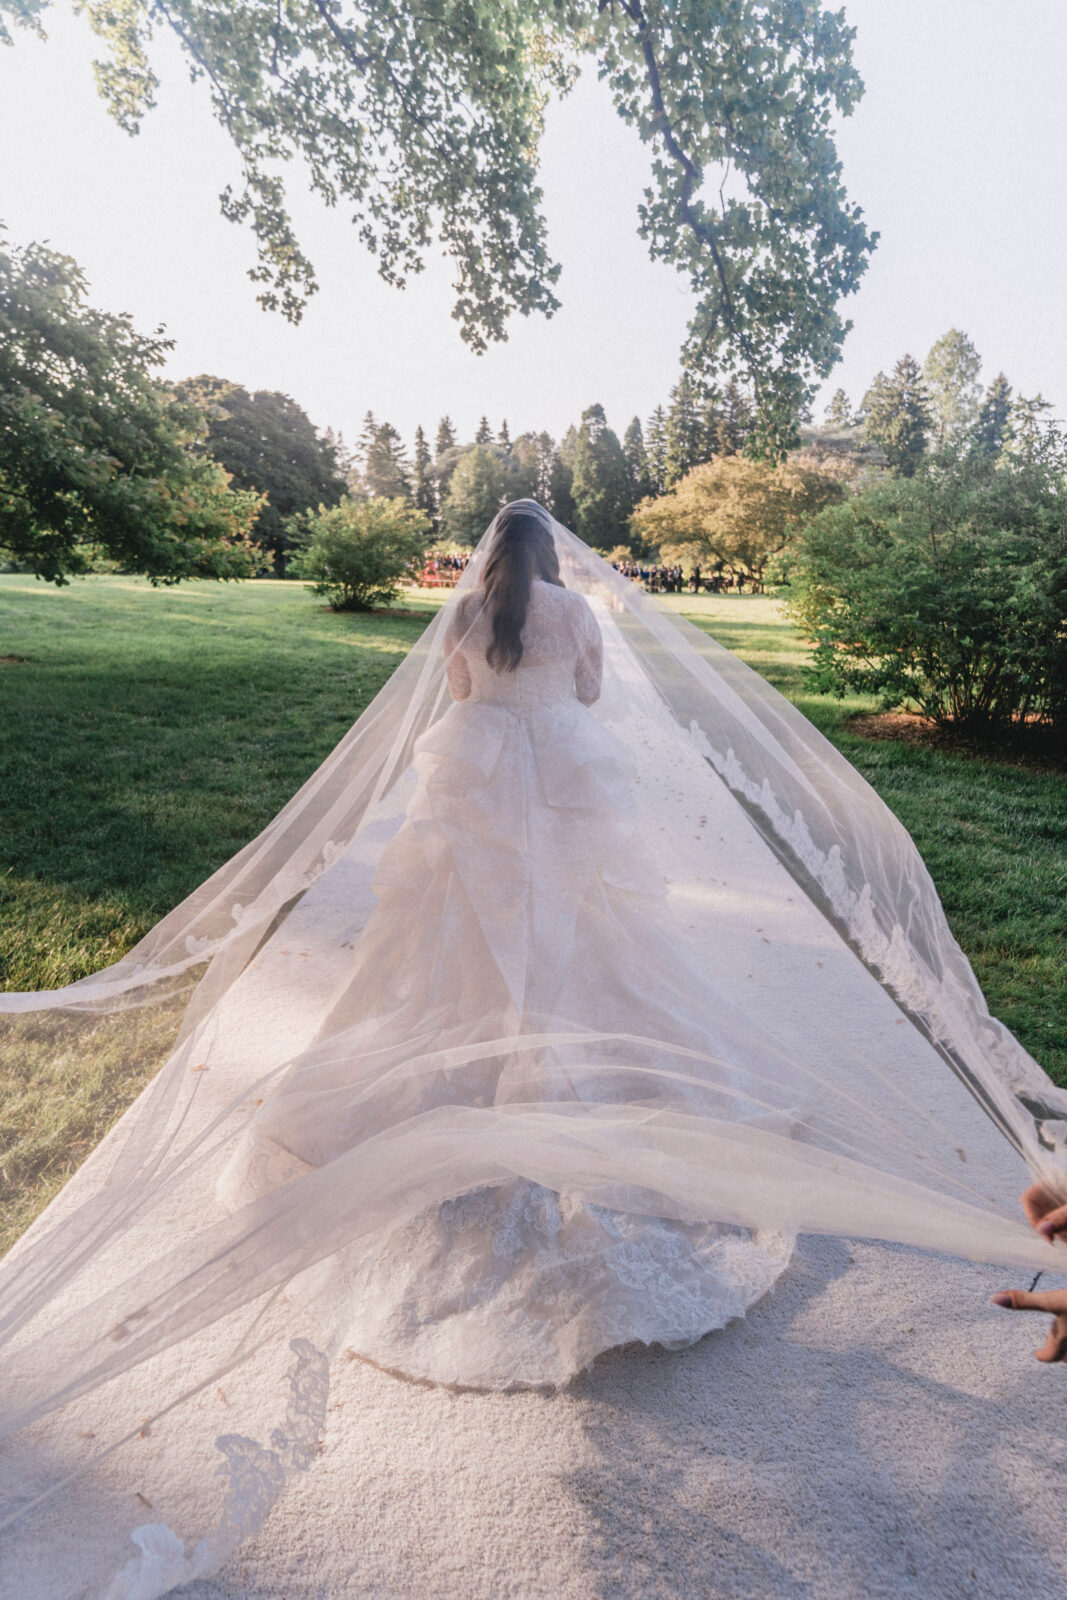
(691, 174)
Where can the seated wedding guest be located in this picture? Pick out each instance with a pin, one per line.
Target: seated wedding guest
(1048, 1214)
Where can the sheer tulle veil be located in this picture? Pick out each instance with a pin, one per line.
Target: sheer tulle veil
(153, 1280)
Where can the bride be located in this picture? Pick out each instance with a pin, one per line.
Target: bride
(581, 977)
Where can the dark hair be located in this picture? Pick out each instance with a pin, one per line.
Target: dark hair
(523, 549)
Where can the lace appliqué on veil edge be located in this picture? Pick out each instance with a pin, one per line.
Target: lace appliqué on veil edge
(256, 1476)
(890, 955)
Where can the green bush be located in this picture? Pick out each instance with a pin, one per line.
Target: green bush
(357, 553)
(947, 590)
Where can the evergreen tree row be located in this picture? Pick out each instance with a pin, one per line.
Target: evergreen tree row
(940, 409)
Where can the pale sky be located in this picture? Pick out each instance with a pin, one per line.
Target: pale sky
(958, 154)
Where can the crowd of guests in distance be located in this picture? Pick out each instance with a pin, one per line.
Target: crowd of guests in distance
(719, 579)
(445, 571)
(442, 571)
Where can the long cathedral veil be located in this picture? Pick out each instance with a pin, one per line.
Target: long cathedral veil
(136, 1293)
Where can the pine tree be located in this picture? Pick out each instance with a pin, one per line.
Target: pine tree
(485, 432)
(897, 416)
(446, 437)
(530, 462)
(736, 420)
(838, 413)
(603, 498)
(710, 423)
(656, 451)
(422, 484)
(561, 482)
(345, 457)
(386, 473)
(950, 374)
(633, 448)
(1025, 433)
(992, 428)
(683, 430)
(364, 445)
(503, 438)
(479, 487)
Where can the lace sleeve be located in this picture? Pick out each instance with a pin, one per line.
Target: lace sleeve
(456, 665)
(590, 664)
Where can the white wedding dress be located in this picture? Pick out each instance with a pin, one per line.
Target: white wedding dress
(540, 1021)
(523, 890)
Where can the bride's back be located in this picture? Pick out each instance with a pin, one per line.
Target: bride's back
(561, 650)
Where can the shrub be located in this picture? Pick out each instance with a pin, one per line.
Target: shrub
(357, 553)
(948, 590)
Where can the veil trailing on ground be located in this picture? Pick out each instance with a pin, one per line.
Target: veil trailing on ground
(708, 986)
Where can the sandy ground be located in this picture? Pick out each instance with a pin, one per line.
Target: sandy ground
(873, 1429)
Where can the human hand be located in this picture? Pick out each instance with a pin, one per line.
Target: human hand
(1045, 1210)
(1055, 1346)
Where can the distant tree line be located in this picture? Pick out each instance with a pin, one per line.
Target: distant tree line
(939, 407)
(590, 479)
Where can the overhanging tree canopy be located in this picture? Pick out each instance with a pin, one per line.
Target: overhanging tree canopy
(426, 121)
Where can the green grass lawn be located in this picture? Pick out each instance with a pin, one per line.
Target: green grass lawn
(149, 733)
(147, 736)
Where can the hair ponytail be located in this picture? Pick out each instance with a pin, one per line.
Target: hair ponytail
(523, 549)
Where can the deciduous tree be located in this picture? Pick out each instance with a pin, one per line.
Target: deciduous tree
(947, 590)
(95, 452)
(735, 510)
(268, 444)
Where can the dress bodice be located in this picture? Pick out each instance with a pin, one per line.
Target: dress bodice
(561, 654)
